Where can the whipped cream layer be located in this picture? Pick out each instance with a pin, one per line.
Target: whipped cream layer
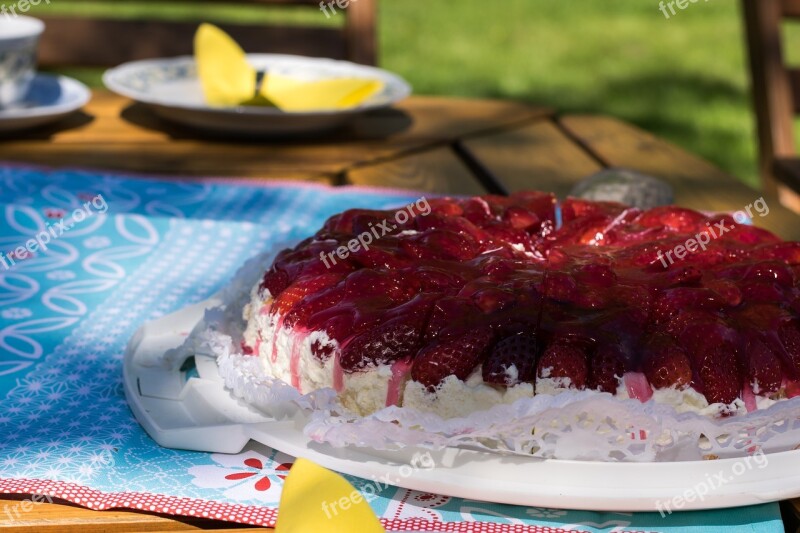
(286, 354)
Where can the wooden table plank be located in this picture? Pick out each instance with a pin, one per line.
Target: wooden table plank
(535, 156)
(112, 133)
(791, 515)
(439, 171)
(186, 160)
(698, 184)
(65, 517)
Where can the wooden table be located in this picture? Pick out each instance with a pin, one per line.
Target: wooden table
(442, 145)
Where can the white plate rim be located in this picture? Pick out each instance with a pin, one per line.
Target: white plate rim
(112, 82)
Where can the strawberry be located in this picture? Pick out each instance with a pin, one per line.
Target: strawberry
(673, 301)
(461, 225)
(763, 368)
(564, 359)
(717, 374)
(398, 336)
(300, 289)
(393, 340)
(343, 222)
(789, 334)
(512, 360)
(498, 268)
(456, 356)
(541, 203)
(379, 258)
(673, 219)
(635, 296)
(369, 283)
(582, 230)
(592, 298)
(685, 276)
(452, 313)
(364, 222)
(788, 252)
(683, 326)
(761, 293)
(342, 323)
(435, 279)
(493, 299)
(729, 294)
(515, 240)
(313, 304)
(521, 218)
(749, 235)
(445, 207)
(666, 364)
(712, 348)
(477, 210)
(275, 281)
(605, 368)
(646, 255)
(316, 266)
(560, 286)
(772, 272)
(576, 208)
(597, 274)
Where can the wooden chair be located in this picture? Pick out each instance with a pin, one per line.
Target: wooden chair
(81, 41)
(776, 96)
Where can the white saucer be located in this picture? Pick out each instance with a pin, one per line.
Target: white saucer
(49, 99)
(192, 410)
(172, 89)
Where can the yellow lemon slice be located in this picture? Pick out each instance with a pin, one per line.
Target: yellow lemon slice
(316, 499)
(226, 76)
(291, 94)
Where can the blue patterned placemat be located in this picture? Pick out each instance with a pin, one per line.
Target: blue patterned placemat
(110, 253)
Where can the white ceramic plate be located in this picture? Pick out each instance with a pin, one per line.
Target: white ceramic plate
(171, 88)
(196, 412)
(49, 99)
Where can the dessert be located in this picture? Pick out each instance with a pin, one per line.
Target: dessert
(490, 299)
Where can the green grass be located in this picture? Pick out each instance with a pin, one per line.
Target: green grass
(684, 79)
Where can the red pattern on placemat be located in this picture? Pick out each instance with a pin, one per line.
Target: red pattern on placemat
(241, 514)
(468, 527)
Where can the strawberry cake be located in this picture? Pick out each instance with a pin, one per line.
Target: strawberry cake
(487, 300)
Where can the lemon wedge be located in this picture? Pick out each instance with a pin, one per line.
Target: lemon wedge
(226, 76)
(316, 499)
(293, 95)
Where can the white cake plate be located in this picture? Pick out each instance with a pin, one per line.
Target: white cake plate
(199, 413)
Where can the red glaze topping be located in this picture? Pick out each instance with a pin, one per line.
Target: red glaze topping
(669, 296)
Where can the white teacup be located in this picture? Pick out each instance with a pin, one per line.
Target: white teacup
(19, 38)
